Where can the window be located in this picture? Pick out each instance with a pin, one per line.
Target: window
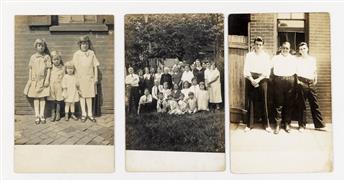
(83, 19)
(291, 28)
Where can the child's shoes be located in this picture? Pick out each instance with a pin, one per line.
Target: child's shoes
(74, 117)
(92, 119)
(43, 120)
(57, 117)
(37, 121)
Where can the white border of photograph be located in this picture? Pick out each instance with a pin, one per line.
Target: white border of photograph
(119, 9)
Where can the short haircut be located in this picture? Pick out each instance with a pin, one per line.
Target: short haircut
(302, 44)
(259, 39)
(286, 43)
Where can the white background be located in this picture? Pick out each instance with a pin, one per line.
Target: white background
(119, 9)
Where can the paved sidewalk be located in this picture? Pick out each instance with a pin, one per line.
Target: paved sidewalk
(257, 151)
(63, 132)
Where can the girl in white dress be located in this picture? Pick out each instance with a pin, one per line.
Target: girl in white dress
(37, 86)
(70, 91)
(57, 74)
(185, 89)
(202, 97)
(86, 64)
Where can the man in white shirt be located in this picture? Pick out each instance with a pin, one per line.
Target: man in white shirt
(257, 70)
(284, 70)
(307, 79)
(132, 83)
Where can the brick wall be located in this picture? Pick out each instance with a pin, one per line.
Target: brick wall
(318, 34)
(66, 42)
(264, 25)
(319, 47)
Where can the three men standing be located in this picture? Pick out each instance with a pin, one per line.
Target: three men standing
(291, 76)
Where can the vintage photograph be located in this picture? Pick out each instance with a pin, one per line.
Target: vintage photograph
(174, 82)
(64, 80)
(280, 92)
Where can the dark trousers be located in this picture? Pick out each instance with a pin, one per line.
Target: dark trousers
(133, 99)
(308, 91)
(256, 97)
(283, 98)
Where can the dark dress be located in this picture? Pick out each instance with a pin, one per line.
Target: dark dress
(199, 75)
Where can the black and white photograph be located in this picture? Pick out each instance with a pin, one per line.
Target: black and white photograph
(64, 90)
(174, 83)
(280, 92)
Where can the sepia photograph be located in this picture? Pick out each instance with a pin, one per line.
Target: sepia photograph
(64, 80)
(174, 82)
(280, 92)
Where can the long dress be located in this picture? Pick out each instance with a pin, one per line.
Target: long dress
(215, 88)
(84, 63)
(203, 100)
(69, 84)
(39, 64)
(56, 76)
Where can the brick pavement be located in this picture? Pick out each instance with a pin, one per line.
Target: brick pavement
(64, 132)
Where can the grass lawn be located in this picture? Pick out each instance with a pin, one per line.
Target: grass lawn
(200, 132)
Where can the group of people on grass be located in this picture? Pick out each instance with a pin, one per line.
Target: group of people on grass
(292, 80)
(52, 79)
(179, 89)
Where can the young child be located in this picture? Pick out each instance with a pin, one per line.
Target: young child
(37, 86)
(203, 97)
(176, 91)
(166, 91)
(161, 103)
(173, 106)
(154, 92)
(192, 103)
(57, 74)
(145, 102)
(158, 75)
(185, 89)
(182, 104)
(194, 87)
(70, 90)
(86, 64)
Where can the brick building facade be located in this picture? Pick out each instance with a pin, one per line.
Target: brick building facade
(313, 28)
(62, 34)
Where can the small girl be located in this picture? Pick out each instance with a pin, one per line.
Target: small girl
(176, 91)
(86, 71)
(158, 75)
(70, 90)
(166, 91)
(194, 87)
(154, 92)
(185, 89)
(57, 74)
(148, 79)
(37, 86)
(182, 104)
(192, 103)
(203, 98)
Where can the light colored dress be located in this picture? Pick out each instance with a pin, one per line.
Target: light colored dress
(192, 105)
(203, 100)
(215, 92)
(183, 106)
(69, 83)
(56, 76)
(39, 65)
(84, 63)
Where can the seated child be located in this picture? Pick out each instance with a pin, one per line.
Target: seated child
(145, 102)
(161, 103)
(185, 89)
(202, 98)
(194, 87)
(192, 103)
(176, 91)
(173, 106)
(166, 91)
(182, 104)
